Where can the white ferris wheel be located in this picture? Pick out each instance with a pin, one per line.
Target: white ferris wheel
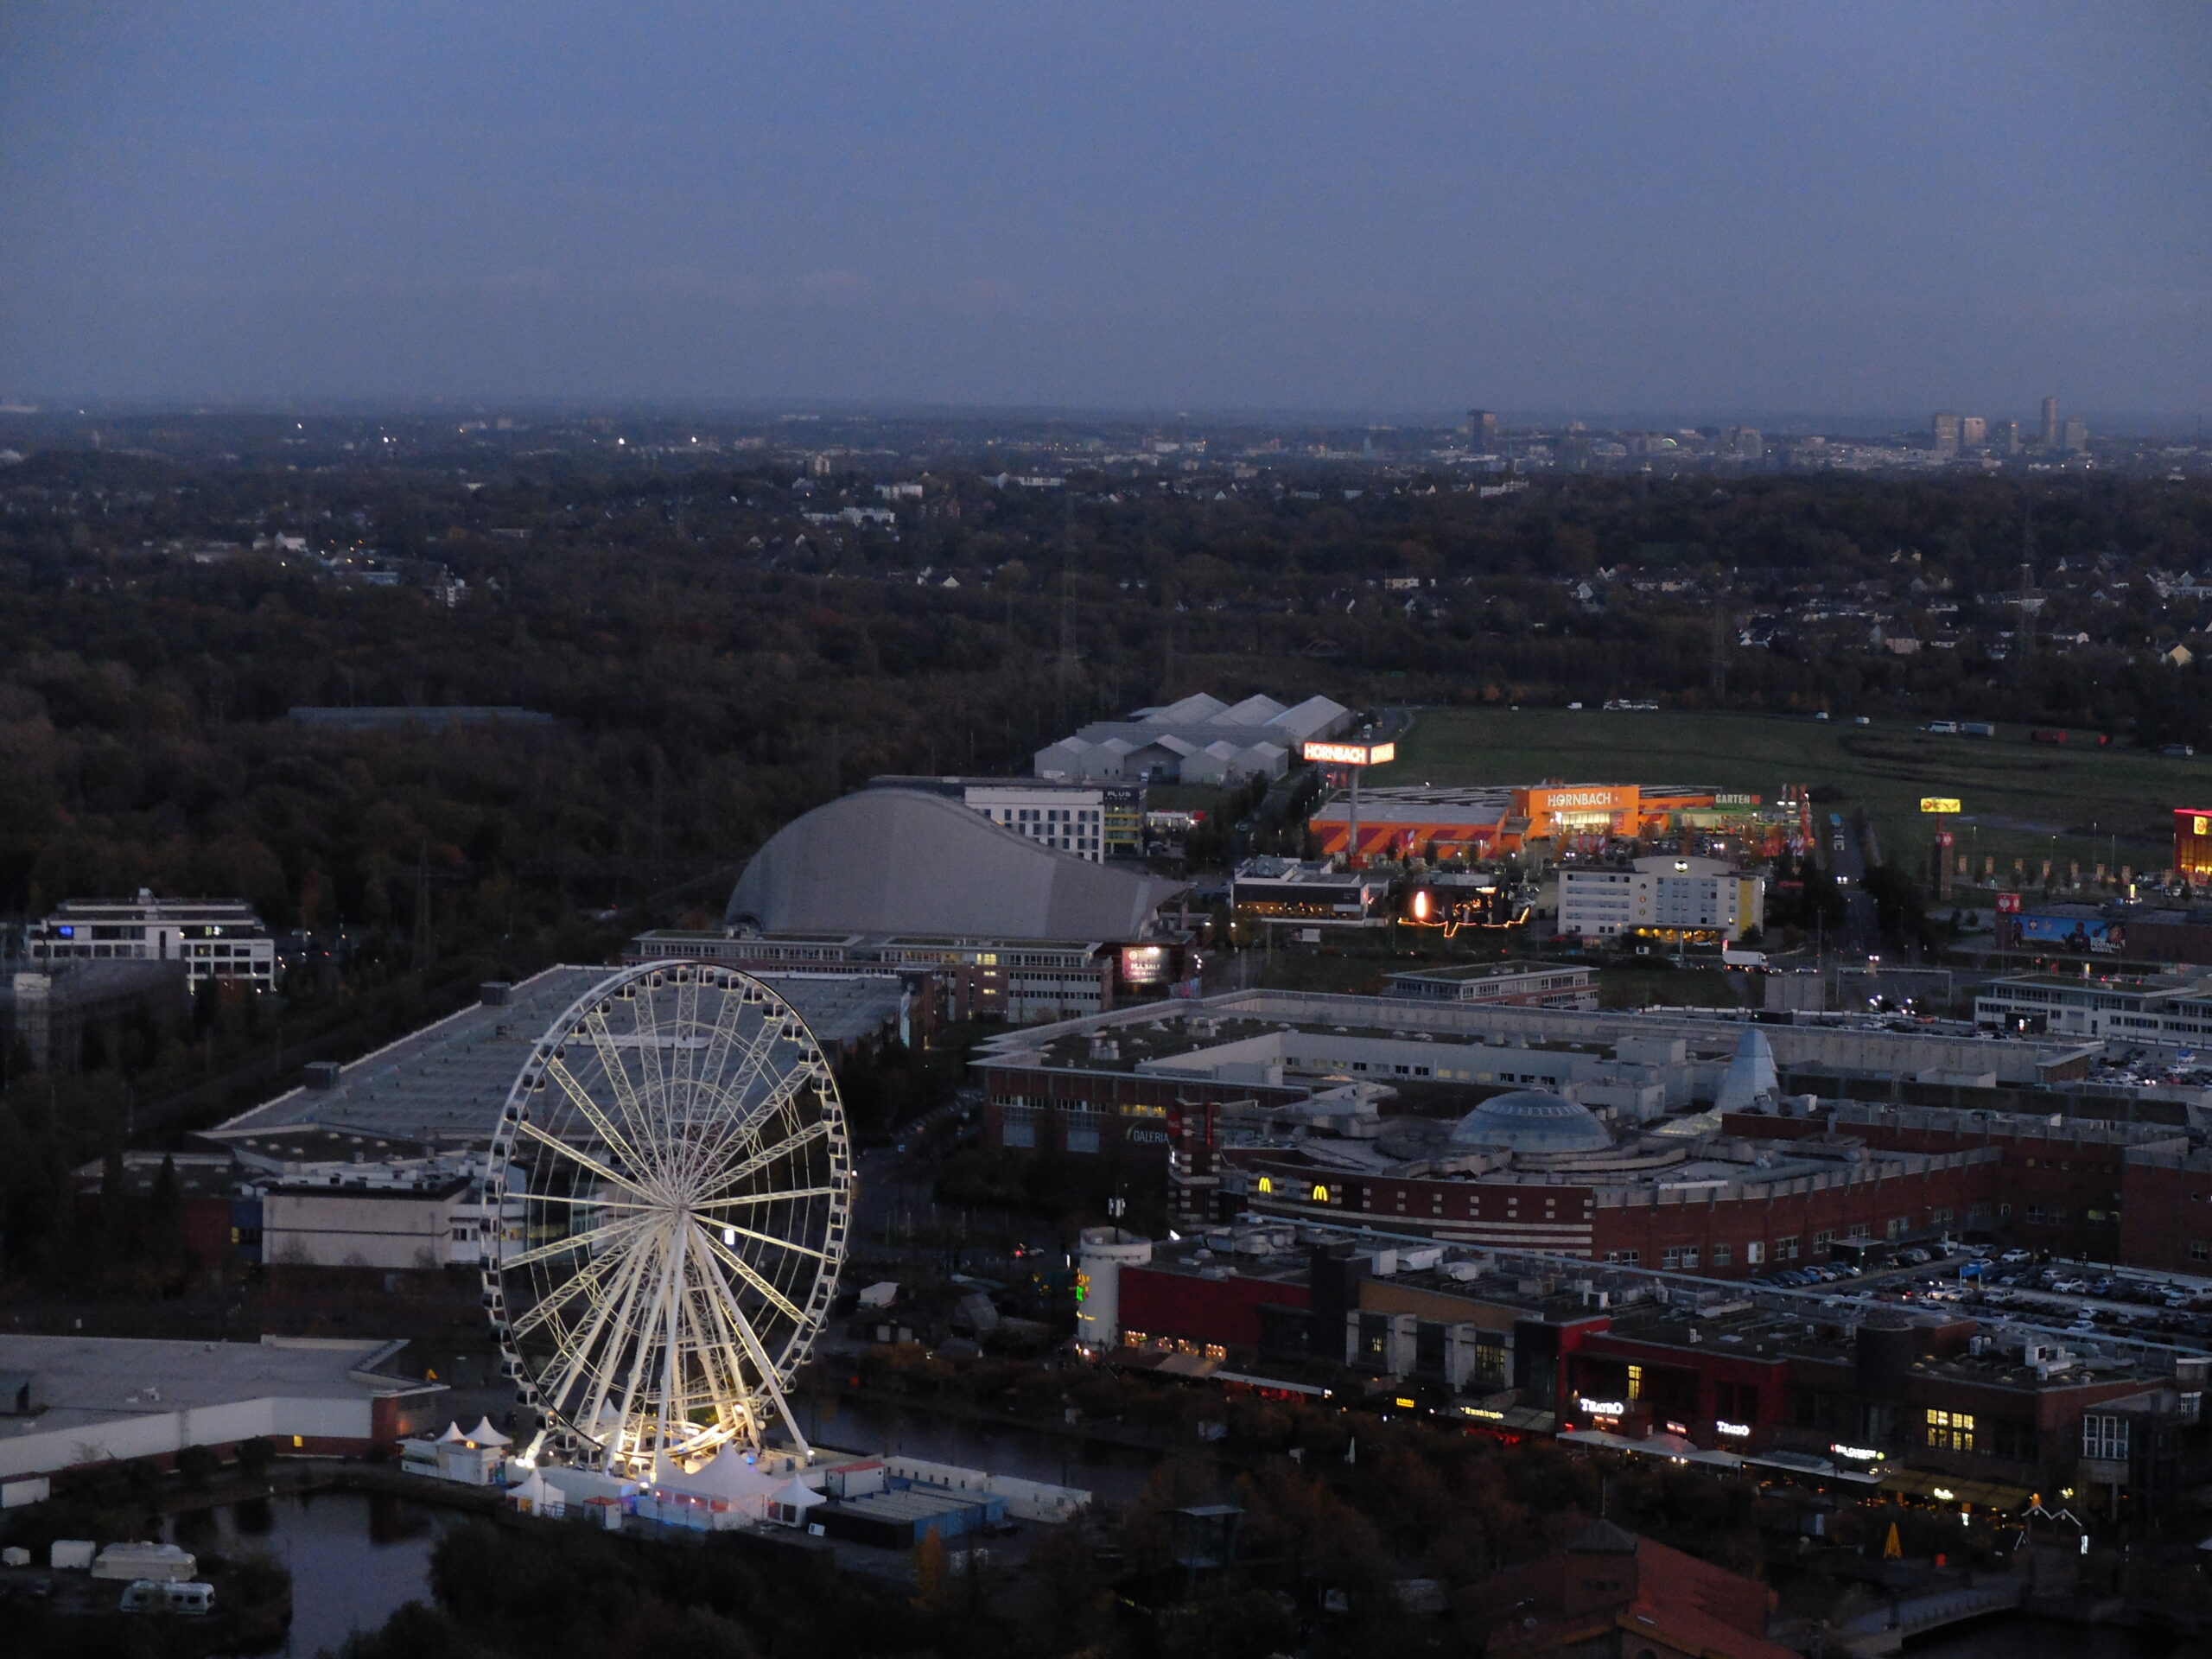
(675, 1150)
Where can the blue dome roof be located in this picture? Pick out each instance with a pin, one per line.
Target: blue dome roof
(1530, 1120)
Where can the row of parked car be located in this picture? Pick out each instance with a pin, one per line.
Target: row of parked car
(1826, 1272)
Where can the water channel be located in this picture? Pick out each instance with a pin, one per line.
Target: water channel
(354, 1557)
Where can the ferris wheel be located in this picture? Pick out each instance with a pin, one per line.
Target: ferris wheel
(674, 1151)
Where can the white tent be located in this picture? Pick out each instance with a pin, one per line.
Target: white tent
(452, 1436)
(484, 1434)
(789, 1502)
(538, 1496)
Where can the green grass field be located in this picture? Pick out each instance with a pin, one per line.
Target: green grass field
(2020, 800)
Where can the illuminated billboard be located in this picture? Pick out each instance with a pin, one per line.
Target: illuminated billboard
(1143, 964)
(2083, 935)
(1944, 803)
(1350, 754)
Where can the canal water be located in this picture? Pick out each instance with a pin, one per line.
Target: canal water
(354, 1557)
(2014, 1635)
(1112, 1474)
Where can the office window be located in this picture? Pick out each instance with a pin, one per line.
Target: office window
(1689, 1259)
(1723, 1255)
(1950, 1431)
(2200, 1251)
(1636, 1382)
(1755, 1252)
(2104, 1435)
(1671, 1257)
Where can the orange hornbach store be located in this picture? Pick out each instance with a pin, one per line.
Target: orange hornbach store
(1487, 821)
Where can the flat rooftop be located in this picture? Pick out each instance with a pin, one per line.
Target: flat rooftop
(1462, 973)
(445, 1084)
(90, 1381)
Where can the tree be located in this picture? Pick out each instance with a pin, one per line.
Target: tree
(255, 1456)
(196, 1463)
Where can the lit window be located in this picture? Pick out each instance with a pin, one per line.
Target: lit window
(1636, 1382)
(1950, 1431)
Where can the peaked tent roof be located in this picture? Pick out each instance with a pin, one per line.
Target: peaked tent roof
(797, 1495)
(452, 1436)
(1255, 711)
(484, 1434)
(900, 861)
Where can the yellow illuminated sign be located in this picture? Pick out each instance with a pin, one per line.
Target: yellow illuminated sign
(2202, 826)
(1350, 754)
(1939, 803)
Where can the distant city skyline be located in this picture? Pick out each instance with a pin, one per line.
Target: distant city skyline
(1741, 212)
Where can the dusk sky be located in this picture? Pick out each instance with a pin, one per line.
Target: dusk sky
(1686, 208)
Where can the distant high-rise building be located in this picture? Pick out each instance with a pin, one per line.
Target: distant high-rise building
(1973, 431)
(1751, 443)
(2005, 437)
(1946, 428)
(2050, 422)
(1482, 430)
(2077, 436)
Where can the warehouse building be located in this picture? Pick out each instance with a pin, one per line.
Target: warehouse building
(118, 1399)
(1197, 740)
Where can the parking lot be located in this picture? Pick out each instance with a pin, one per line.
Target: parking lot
(2086, 1300)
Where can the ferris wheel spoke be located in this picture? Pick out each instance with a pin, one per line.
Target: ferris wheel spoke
(578, 1155)
(672, 1393)
(792, 1193)
(570, 1243)
(580, 1098)
(619, 1081)
(640, 1348)
(589, 1203)
(718, 1305)
(745, 1270)
(780, 1243)
(584, 1348)
(583, 1279)
(768, 1376)
(713, 1059)
(760, 1160)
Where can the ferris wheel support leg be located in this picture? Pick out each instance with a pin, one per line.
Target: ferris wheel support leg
(528, 1458)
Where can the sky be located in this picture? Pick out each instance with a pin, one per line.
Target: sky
(1690, 208)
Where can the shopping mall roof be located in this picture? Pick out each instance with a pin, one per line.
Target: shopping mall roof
(444, 1084)
(1530, 1120)
(900, 861)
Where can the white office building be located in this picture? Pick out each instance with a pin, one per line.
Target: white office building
(1667, 898)
(215, 938)
(1069, 820)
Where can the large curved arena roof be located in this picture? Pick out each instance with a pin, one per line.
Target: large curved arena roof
(898, 861)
